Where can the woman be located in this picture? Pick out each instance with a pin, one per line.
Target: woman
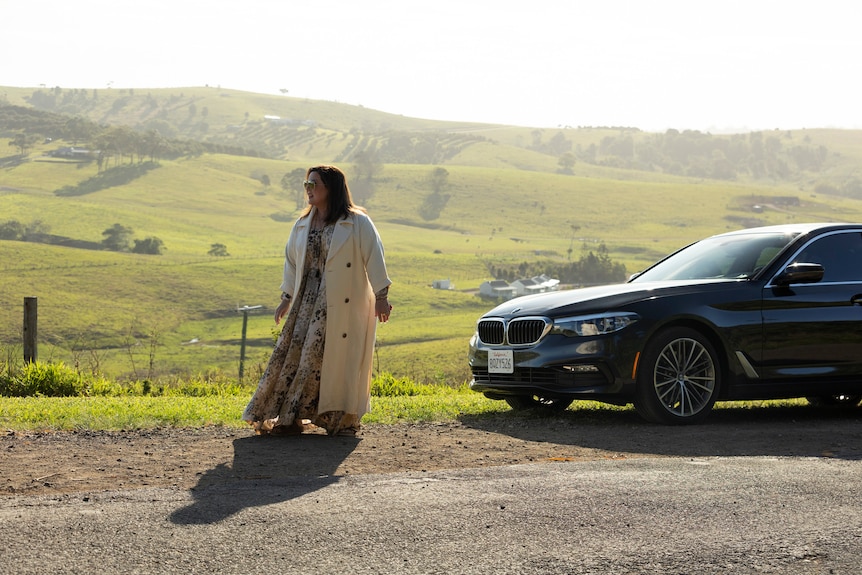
(335, 286)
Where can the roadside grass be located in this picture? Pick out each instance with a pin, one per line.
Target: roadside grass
(53, 397)
(145, 412)
(444, 405)
(46, 396)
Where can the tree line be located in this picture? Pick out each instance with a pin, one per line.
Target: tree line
(758, 155)
(110, 145)
(593, 267)
(117, 238)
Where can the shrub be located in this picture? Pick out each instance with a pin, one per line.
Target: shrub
(46, 379)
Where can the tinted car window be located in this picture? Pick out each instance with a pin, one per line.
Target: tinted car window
(840, 255)
(728, 257)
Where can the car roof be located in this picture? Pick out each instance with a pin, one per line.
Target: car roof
(803, 228)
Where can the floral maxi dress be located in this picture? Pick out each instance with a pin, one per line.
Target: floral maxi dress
(289, 388)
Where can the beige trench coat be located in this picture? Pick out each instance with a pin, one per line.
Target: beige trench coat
(355, 270)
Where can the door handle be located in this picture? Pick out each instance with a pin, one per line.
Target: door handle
(856, 299)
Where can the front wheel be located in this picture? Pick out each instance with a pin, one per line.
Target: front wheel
(551, 405)
(678, 377)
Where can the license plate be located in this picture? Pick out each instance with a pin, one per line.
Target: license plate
(501, 361)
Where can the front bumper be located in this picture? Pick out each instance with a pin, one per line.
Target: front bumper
(556, 369)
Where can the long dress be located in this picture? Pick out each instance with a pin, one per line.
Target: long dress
(289, 388)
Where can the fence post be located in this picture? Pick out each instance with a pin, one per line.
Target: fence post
(242, 345)
(244, 310)
(30, 317)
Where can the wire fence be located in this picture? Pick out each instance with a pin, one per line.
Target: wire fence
(140, 351)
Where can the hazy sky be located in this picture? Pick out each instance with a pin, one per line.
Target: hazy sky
(653, 64)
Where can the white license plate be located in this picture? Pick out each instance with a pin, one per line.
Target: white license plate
(501, 361)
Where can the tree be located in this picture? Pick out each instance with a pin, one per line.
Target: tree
(79, 129)
(367, 165)
(566, 162)
(218, 250)
(24, 142)
(151, 245)
(35, 230)
(434, 202)
(11, 230)
(117, 238)
(439, 179)
(537, 139)
(151, 144)
(291, 183)
(559, 144)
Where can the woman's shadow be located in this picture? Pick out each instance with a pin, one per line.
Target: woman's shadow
(265, 470)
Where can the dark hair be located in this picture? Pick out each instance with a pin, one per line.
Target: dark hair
(340, 201)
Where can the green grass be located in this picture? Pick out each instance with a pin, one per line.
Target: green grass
(130, 409)
(71, 413)
(145, 412)
(52, 396)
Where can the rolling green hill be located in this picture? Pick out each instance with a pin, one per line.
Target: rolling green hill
(506, 199)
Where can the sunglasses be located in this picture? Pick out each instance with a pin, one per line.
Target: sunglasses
(309, 185)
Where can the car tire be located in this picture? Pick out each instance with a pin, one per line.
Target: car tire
(840, 401)
(678, 377)
(550, 405)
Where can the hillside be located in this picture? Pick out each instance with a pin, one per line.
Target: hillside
(227, 172)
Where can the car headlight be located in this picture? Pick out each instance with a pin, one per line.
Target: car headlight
(590, 325)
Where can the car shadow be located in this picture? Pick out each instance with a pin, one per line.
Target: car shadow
(793, 431)
(265, 470)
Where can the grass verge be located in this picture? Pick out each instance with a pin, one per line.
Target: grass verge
(145, 412)
(131, 412)
(46, 397)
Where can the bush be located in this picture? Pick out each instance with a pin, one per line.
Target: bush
(46, 379)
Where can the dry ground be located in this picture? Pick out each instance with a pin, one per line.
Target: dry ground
(45, 463)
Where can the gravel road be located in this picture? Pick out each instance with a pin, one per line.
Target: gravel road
(748, 493)
(696, 516)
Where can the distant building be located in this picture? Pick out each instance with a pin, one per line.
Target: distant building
(71, 152)
(442, 284)
(500, 289)
(497, 289)
(536, 284)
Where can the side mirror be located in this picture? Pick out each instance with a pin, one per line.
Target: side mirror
(800, 273)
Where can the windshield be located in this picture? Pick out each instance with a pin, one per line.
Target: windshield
(737, 256)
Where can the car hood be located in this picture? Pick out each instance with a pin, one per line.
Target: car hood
(600, 298)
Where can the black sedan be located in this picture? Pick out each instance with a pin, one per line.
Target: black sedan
(763, 313)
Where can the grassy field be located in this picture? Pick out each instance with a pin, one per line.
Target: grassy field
(133, 316)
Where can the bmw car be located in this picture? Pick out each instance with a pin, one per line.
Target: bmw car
(763, 313)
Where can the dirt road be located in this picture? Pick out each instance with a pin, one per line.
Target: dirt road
(44, 463)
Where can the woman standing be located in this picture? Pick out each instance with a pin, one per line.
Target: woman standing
(335, 288)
